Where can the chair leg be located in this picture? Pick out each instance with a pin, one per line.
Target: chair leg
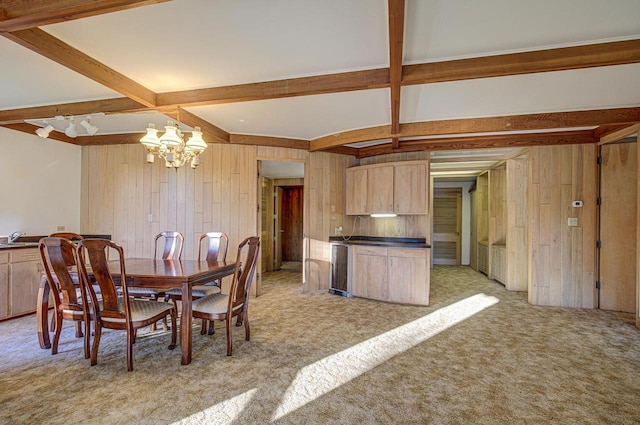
(203, 328)
(174, 330)
(130, 339)
(96, 344)
(79, 330)
(229, 339)
(211, 327)
(247, 331)
(87, 338)
(56, 333)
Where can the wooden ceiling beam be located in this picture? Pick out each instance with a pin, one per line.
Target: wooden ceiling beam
(483, 142)
(210, 131)
(114, 105)
(528, 122)
(58, 51)
(396, 37)
(614, 136)
(279, 142)
(304, 86)
(20, 14)
(31, 129)
(588, 56)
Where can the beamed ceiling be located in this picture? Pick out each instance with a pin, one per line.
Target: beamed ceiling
(360, 77)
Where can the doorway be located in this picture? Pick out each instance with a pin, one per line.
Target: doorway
(447, 223)
(281, 214)
(617, 254)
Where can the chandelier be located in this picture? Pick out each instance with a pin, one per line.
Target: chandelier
(171, 145)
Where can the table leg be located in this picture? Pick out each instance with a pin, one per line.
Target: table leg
(185, 324)
(42, 313)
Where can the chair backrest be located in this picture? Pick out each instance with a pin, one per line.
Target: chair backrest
(69, 256)
(243, 274)
(217, 245)
(172, 249)
(58, 255)
(95, 252)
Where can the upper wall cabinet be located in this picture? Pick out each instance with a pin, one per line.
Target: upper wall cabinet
(397, 187)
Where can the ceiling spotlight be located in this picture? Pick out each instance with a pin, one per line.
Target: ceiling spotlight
(44, 132)
(91, 129)
(71, 131)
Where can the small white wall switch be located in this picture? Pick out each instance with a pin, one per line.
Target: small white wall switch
(577, 204)
(150, 218)
(573, 221)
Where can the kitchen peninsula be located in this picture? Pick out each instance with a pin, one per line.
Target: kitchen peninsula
(387, 268)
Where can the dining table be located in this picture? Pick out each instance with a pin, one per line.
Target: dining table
(151, 273)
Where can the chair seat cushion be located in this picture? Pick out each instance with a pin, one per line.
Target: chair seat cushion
(141, 310)
(198, 291)
(211, 304)
(141, 291)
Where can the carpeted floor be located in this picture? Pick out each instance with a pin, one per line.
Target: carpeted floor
(477, 355)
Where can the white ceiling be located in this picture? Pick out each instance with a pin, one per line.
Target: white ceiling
(189, 44)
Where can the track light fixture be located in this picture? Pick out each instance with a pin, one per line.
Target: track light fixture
(44, 132)
(91, 129)
(71, 130)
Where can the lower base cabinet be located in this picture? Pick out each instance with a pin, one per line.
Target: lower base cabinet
(399, 275)
(19, 281)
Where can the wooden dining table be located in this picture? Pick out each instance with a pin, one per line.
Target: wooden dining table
(150, 273)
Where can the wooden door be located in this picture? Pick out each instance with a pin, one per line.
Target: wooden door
(277, 228)
(618, 188)
(447, 217)
(291, 221)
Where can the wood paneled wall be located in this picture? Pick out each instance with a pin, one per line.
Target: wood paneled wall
(120, 192)
(417, 226)
(517, 224)
(563, 258)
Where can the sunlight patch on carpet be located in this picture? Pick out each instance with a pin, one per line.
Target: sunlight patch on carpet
(329, 373)
(222, 413)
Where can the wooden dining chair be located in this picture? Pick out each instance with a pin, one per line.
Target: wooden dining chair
(214, 249)
(115, 311)
(235, 303)
(171, 243)
(70, 302)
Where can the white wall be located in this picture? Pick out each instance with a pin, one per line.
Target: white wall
(40, 184)
(466, 216)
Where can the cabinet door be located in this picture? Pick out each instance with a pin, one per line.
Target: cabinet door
(483, 258)
(369, 273)
(356, 193)
(380, 189)
(26, 272)
(408, 276)
(411, 190)
(4, 284)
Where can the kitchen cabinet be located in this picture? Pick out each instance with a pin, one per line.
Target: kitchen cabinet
(19, 281)
(499, 263)
(398, 187)
(408, 276)
(399, 275)
(410, 189)
(4, 284)
(369, 272)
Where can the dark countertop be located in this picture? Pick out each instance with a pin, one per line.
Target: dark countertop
(390, 242)
(32, 241)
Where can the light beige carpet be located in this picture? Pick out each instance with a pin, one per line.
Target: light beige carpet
(477, 355)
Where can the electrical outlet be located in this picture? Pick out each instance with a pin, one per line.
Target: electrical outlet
(61, 228)
(573, 221)
(338, 230)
